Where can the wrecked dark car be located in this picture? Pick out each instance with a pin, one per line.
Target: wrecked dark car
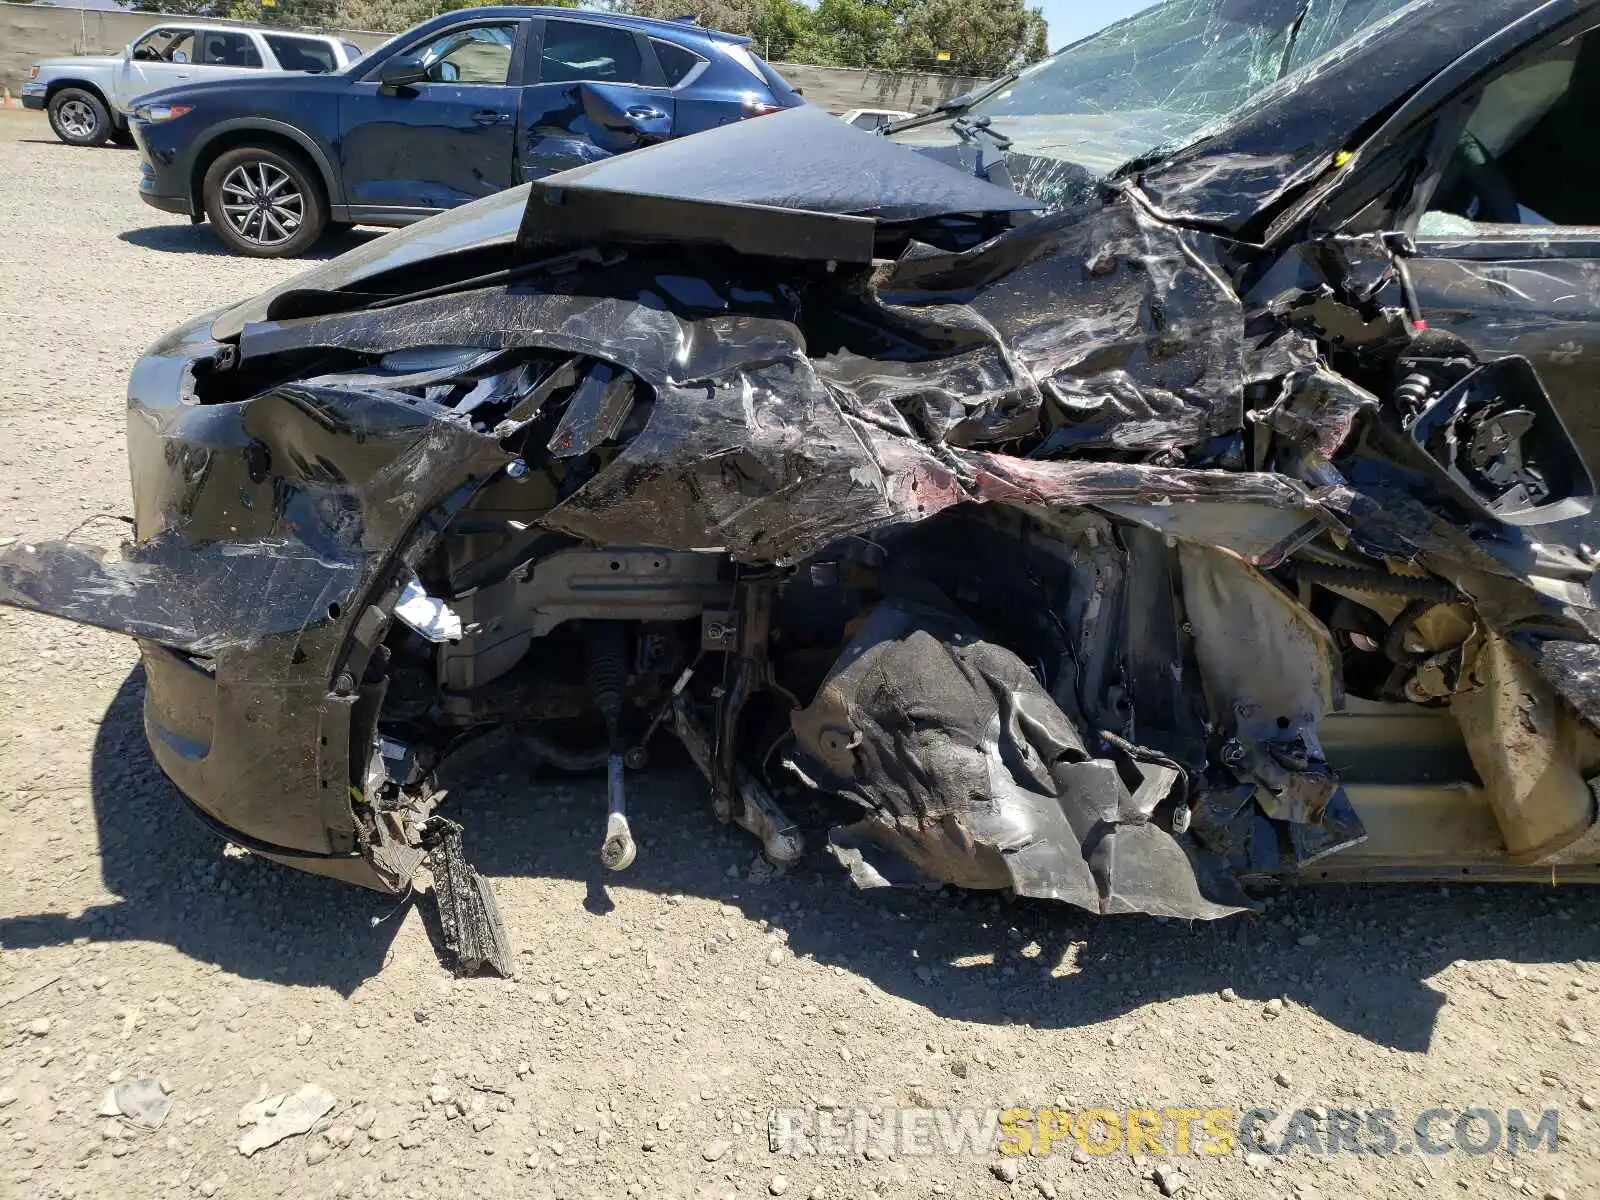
(1159, 471)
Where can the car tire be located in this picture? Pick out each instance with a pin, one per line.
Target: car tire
(264, 202)
(79, 117)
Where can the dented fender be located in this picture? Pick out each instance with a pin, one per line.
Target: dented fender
(267, 531)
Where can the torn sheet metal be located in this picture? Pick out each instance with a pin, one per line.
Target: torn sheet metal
(970, 774)
(235, 598)
(595, 413)
(1269, 719)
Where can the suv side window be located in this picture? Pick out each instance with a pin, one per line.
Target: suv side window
(221, 48)
(677, 64)
(311, 55)
(162, 45)
(476, 54)
(574, 52)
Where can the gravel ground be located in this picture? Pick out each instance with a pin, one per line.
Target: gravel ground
(656, 1021)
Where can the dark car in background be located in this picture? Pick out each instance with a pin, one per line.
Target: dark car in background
(453, 110)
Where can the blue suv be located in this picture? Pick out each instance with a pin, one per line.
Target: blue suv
(461, 106)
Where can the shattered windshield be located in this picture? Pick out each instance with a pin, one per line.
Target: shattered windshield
(1156, 78)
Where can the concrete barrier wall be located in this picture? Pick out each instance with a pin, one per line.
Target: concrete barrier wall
(30, 32)
(837, 88)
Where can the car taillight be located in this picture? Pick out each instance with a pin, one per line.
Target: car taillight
(33, 71)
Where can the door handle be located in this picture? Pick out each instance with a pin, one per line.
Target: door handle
(489, 116)
(644, 112)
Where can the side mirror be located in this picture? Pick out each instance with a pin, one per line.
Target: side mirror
(404, 70)
(127, 52)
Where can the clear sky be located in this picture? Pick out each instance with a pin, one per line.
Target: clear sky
(1072, 19)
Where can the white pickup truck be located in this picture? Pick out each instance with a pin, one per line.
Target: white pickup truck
(88, 97)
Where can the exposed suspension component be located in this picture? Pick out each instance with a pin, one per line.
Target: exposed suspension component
(607, 644)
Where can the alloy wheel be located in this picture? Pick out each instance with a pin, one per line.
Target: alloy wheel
(77, 118)
(263, 203)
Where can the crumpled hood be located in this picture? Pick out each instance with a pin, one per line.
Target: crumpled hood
(745, 187)
(801, 158)
(738, 178)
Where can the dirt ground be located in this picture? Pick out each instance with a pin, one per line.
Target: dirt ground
(657, 1017)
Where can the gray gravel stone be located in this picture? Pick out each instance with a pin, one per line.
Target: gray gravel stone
(1169, 1179)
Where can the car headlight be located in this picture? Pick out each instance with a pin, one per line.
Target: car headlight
(152, 113)
(33, 71)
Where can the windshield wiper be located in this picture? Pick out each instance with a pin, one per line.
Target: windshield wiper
(946, 109)
(970, 130)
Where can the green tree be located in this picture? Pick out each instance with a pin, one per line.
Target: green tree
(731, 16)
(780, 28)
(182, 8)
(855, 33)
(981, 37)
(977, 37)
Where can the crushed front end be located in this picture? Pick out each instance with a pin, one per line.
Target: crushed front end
(1089, 557)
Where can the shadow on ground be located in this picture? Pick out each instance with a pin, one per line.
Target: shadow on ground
(967, 956)
(249, 916)
(59, 144)
(199, 239)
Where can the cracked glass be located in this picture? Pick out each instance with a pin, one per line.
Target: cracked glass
(1156, 79)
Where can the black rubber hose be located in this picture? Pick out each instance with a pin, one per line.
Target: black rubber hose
(1381, 583)
(1394, 643)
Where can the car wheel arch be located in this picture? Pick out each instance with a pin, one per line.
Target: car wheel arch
(58, 85)
(274, 135)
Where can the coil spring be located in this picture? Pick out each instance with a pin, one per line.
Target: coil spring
(1413, 392)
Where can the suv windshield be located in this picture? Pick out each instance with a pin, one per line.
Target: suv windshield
(1155, 79)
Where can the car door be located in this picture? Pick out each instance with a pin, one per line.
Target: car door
(595, 90)
(161, 58)
(442, 142)
(1507, 248)
(225, 53)
(1493, 204)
